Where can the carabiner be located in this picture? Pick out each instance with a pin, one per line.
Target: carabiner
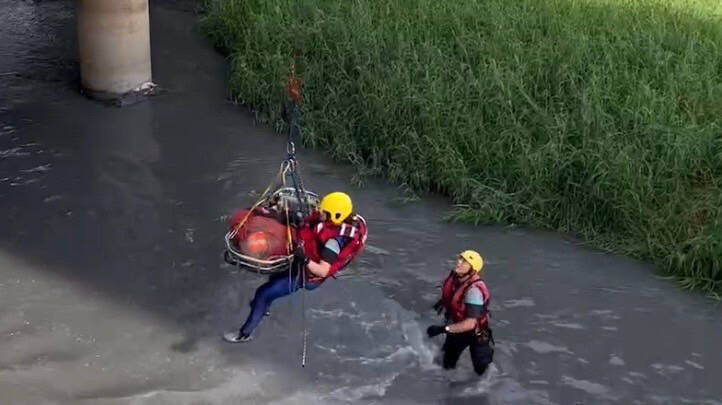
(291, 149)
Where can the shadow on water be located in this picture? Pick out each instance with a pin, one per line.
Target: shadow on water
(132, 201)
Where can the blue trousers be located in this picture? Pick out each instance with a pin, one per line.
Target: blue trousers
(277, 286)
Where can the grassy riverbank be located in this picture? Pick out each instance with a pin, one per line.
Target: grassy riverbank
(602, 117)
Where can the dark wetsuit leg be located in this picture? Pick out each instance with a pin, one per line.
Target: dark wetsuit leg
(454, 345)
(276, 287)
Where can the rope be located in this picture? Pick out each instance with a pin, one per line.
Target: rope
(303, 310)
(300, 192)
(294, 93)
(281, 173)
(291, 158)
(301, 195)
(291, 167)
(289, 246)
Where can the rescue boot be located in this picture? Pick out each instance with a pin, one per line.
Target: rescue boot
(236, 337)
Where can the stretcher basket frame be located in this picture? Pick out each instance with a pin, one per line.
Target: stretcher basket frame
(285, 197)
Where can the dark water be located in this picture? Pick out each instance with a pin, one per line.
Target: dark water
(113, 289)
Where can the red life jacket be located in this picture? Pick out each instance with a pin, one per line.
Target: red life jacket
(452, 297)
(315, 233)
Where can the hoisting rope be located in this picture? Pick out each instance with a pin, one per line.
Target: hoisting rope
(294, 92)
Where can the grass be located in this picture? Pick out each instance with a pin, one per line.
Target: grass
(600, 117)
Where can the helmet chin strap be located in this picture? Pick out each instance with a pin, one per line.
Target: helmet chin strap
(462, 277)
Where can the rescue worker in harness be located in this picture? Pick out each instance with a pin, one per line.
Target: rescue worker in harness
(332, 237)
(465, 299)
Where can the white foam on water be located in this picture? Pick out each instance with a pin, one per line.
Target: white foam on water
(546, 348)
(13, 152)
(595, 389)
(333, 313)
(239, 388)
(667, 369)
(38, 169)
(498, 388)
(659, 399)
(376, 250)
(616, 361)
(353, 394)
(568, 325)
(420, 345)
(521, 302)
(693, 364)
(399, 354)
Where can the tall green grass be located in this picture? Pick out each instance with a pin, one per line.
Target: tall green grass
(602, 117)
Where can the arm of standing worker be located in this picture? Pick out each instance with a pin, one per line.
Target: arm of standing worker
(474, 303)
(461, 327)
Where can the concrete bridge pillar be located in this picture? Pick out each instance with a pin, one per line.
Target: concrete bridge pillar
(114, 47)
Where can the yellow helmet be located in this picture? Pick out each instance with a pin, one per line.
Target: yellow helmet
(474, 259)
(338, 206)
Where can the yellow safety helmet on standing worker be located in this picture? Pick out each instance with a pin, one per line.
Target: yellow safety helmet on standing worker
(474, 259)
(337, 205)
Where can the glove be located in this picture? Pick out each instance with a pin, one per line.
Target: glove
(434, 330)
(439, 307)
(299, 255)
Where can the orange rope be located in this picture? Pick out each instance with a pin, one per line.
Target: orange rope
(282, 172)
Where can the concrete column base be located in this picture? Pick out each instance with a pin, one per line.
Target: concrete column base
(114, 49)
(132, 96)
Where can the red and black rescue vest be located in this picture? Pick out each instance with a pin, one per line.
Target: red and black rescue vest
(452, 297)
(315, 233)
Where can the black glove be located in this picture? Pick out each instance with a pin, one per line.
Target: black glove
(299, 255)
(439, 307)
(434, 330)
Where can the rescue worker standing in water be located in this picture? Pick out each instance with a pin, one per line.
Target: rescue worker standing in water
(465, 299)
(332, 238)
